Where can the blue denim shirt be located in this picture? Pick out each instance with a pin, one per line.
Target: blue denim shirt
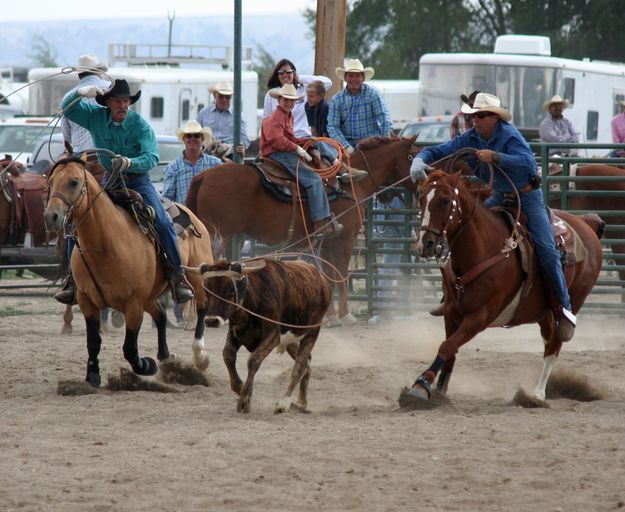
(516, 157)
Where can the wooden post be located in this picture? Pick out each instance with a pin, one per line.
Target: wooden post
(330, 41)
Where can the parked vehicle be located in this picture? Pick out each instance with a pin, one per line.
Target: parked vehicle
(428, 128)
(19, 135)
(403, 98)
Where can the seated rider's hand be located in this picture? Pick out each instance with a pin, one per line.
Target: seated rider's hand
(89, 91)
(121, 163)
(417, 170)
(302, 153)
(349, 150)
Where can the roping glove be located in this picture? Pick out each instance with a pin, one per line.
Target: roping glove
(417, 170)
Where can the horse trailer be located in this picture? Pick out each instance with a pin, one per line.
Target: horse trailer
(523, 74)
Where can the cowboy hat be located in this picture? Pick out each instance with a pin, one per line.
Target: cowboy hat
(485, 102)
(195, 127)
(120, 89)
(470, 98)
(89, 62)
(554, 99)
(287, 91)
(355, 66)
(223, 87)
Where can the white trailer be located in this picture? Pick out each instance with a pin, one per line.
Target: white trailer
(170, 95)
(403, 98)
(523, 74)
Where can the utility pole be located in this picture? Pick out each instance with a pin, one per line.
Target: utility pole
(330, 40)
(171, 16)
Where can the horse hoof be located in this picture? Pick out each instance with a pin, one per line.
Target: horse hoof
(243, 405)
(170, 359)
(282, 406)
(117, 319)
(348, 319)
(332, 321)
(214, 321)
(146, 367)
(93, 379)
(201, 361)
(66, 329)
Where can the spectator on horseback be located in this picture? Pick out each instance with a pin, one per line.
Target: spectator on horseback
(115, 127)
(358, 111)
(219, 118)
(557, 128)
(618, 132)
(278, 142)
(89, 73)
(462, 122)
(499, 143)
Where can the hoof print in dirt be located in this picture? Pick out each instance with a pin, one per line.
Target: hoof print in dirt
(128, 381)
(523, 399)
(410, 402)
(177, 372)
(74, 388)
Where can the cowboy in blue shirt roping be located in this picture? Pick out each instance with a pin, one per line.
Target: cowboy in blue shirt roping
(498, 141)
(124, 132)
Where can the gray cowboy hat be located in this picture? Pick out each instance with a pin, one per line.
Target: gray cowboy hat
(120, 89)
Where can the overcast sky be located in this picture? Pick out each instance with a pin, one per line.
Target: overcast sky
(106, 9)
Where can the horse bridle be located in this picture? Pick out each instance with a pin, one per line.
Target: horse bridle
(71, 206)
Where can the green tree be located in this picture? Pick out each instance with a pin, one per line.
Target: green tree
(263, 64)
(43, 55)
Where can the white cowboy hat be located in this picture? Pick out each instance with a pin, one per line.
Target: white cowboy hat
(103, 66)
(355, 66)
(555, 99)
(88, 61)
(195, 127)
(485, 102)
(287, 91)
(223, 87)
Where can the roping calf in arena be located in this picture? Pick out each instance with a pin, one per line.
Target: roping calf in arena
(263, 300)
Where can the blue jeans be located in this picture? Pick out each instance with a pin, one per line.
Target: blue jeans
(327, 151)
(533, 206)
(318, 206)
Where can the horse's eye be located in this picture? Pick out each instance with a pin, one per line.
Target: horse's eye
(74, 183)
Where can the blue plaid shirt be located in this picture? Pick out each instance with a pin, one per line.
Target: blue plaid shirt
(353, 117)
(179, 173)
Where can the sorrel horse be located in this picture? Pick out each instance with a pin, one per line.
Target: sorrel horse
(485, 278)
(230, 199)
(600, 203)
(115, 265)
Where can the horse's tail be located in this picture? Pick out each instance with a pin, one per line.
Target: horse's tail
(595, 222)
(191, 201)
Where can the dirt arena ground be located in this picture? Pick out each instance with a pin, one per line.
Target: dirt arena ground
(191, 451)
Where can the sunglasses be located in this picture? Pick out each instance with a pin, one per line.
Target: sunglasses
(193, 135)
(286, 72)
(482, 115)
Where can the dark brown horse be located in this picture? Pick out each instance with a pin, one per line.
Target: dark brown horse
(597, 203)
(230, 199)
(485, 279)
(115, 265)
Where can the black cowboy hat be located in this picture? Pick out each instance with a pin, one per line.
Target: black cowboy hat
(470, 98)
(119, 90)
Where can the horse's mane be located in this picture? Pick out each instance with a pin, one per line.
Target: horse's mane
(377, 140)
(457, 179)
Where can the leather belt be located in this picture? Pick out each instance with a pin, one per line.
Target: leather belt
(526, 188)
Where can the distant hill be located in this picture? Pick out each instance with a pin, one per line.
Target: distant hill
(73, 38)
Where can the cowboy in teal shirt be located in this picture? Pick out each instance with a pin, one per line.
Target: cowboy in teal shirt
(115, 127)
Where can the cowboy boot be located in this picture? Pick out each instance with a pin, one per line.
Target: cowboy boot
(181, 290)
(347, 174)
(438, 310)
(566, 325)
(67, 294)
(327, 228)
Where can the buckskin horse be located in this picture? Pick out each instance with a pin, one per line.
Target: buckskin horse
(484, 284)
(231, 199)
(115, 265)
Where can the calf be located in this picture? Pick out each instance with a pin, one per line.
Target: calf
(263, 300)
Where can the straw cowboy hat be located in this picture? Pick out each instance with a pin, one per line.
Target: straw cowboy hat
(223, 87)
(553, 100)
(485, 102)
(470, 98)
(120, 90)
(287, 91)
(195, 127)
(355, 66)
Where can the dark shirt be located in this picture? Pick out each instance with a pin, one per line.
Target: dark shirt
(318, 118)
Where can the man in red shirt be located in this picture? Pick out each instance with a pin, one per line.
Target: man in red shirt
(278, 142)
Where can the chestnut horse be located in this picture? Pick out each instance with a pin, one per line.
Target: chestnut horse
(115, 265)
(230, 199)
(599, 203)
(486, 276)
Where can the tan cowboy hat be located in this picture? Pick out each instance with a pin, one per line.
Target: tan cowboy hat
(555, 99)
(355, 66)
(195, 127)
(223, 87)
(287, 91)
(485, 102)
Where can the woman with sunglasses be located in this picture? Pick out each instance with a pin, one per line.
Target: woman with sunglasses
(498, 142)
